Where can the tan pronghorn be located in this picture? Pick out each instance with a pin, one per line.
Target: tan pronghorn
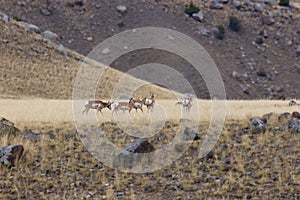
(96, 104)
(121, 106)
(136, 104)
(186, 102)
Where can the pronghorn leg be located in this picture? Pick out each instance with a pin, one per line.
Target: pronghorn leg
(99, 109)
(86, 110)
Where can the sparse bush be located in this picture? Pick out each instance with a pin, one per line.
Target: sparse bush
(261, 73)
(191, 9)
(259, 40)
(234, 23)
(17, 18)
(284, 2)
(221, 32)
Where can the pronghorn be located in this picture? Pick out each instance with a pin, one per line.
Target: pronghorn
(136, 104)
(149, 102)
(121, 106)
(186, 102)
(96, 104)
(292, 103)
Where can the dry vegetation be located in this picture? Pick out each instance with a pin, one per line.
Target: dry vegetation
(56, 111)
(243, 166)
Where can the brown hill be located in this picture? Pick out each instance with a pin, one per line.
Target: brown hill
(267, 70)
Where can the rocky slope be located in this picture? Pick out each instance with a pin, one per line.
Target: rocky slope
(260, 60)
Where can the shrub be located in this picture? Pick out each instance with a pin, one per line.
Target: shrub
(234, 23)
(259, 40)
(191, 9)
(221, 33)
(261, 73)
(284, 2)
(17, 18)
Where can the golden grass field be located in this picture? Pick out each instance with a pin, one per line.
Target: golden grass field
(57, 111)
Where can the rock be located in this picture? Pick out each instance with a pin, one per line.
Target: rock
(204, 31)
(33, 28)
(22, 3)
(8, 128)
(10, 154)
(261, 73)
(140, 146)
(293, 125)
(49, 35)
(258, 125)
(268, 19)
(296, 115)
(215, 31)
(121, 24)
(283, 116)
(135, 154)
(198, 16)
(216, 5)
(79, 3)
(46, 12)
(121, 9)
(298, 51)
(236, 75)
(265, 34)
(298, 70)
(236, 4)
(105, 51)
(271, 2)
(23, 24)
(190, 134)
(62, 50)
(258, 7)
(5, 18)
(30, 135)
(245, 88)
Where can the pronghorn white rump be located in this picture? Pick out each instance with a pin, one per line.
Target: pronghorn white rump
(149, 102)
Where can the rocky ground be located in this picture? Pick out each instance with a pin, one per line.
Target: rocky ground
(258, 58)
(255, 159)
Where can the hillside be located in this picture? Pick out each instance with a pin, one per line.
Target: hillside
(35, 67)
(250, 70)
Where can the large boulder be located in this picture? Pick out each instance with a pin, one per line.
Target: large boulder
(257, 125)
(139, 146)
(292, 126)
(8, 128)
(50, 35)
(10, 154)
(133, 154)
(198, 16)
(121, 9)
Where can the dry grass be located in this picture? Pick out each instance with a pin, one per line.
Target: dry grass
(244, 166)
(56, 111)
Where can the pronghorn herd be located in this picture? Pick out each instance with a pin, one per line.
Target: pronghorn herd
(133, 103)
